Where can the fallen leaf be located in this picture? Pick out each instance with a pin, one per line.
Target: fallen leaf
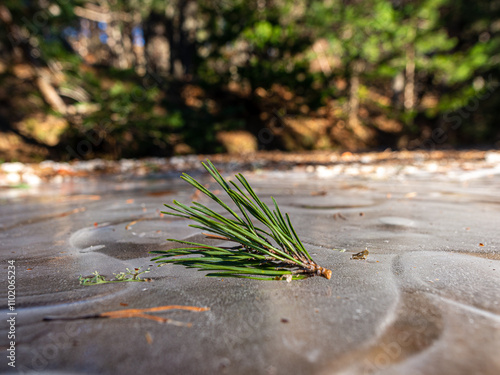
(149, 338)
(79, 197)
(196, 195)
(137, 313)
(132, 223)
(318, 193)
(127, 227)
(361, 255)
(339, 216)
(75, 211)
(129, 201)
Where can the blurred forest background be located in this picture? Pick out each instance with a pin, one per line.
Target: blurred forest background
(118, 78)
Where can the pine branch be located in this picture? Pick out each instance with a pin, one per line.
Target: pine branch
(275, 252)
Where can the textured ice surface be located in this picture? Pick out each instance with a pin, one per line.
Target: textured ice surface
(426, 301)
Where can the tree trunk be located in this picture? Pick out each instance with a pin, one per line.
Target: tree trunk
(354, 98)
(398, 86)
(49, 93)
(409, 91)
(158, 43)
(353, 122)
(182, 36)
(120, 44)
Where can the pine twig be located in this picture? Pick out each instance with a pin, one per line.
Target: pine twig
(275, 252)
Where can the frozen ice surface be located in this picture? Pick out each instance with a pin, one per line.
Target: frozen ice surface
(425, 301)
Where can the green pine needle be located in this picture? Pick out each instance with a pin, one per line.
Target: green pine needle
(274, 253)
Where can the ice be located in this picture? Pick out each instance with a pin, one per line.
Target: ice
(425, 301)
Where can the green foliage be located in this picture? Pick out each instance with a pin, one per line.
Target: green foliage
(263, 34)
(128, 275)
(453, 46)
(273, 253)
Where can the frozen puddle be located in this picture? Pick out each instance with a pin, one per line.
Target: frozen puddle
(425, 301)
